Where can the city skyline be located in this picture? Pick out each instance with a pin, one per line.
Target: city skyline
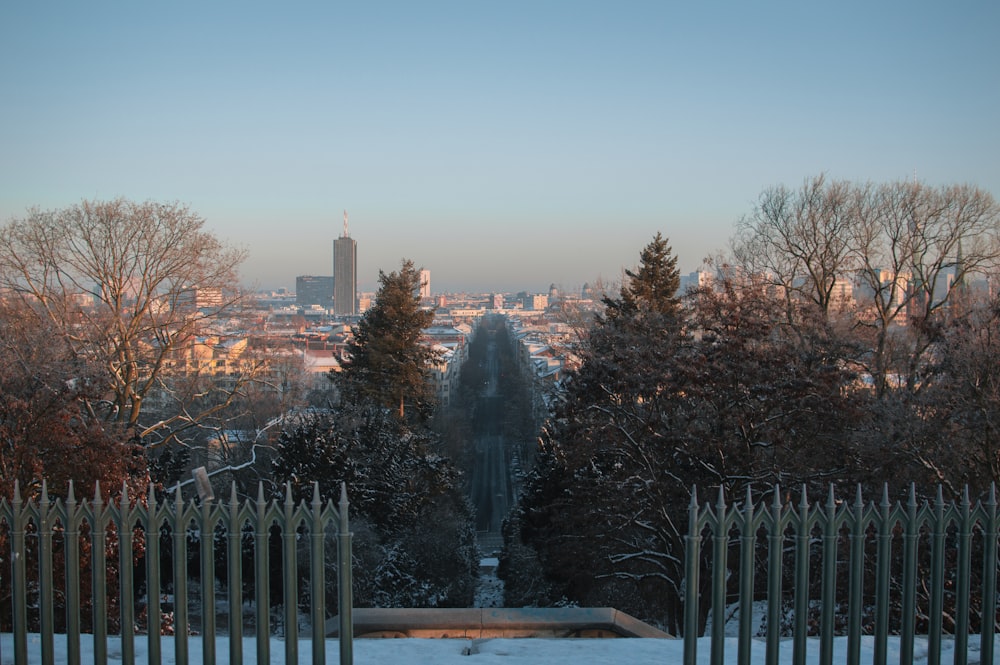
(502, 147)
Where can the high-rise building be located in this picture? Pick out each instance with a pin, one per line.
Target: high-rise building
(425, 283)
(314, 290)
(345, 274)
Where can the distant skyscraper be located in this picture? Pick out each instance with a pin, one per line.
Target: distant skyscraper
(345, 274)
(314, 290)
(425, 283)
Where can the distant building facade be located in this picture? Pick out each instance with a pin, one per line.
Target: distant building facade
(314, 290)
(198, 298)
(345, 274)
(425, 283)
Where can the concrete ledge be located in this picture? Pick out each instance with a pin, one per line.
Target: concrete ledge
(495, 622)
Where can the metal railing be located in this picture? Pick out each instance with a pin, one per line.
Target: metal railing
(899, 563)
(161, 537)
(902, 562)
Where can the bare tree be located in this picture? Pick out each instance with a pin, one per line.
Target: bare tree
(129, 287)
(799, 239)
(915, 246)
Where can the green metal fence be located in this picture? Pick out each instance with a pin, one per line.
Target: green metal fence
(898, 568)
(46, 535)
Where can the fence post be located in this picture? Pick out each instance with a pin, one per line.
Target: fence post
(234, 557)
(748, 547)
(829, 585)
(909, 578)
(19, 583)
(289, 581)
(692, 547)
(775, 550)
(154, 611)
(883, 554)
(262, 592)
(45, 577)
(126, 611)
(801, 603)
(180, 579)
(99, 541)
(720, 570)
(989, 577)
(317, 578)
(71, 538)
(856, 580)
(206, 551)
(344, 583)
(937, 581)
(962, 603)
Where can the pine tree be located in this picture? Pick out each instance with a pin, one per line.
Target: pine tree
(388, 362)
(603, 454)
(653, 288)
(654, 410)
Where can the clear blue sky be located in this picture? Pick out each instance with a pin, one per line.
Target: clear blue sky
(502, 145)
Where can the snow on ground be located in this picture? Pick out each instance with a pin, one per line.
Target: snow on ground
(527, 651)
(489, 592)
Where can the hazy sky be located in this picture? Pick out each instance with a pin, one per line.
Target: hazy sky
(501, 145)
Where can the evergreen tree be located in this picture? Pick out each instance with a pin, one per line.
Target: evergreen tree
(653, 288)
(392, 472)
(387, 361)
(654, 410)
(601, 463)
(415, 539)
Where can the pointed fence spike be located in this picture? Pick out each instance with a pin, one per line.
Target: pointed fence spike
(177, 494)
(343, 510)
(885, 495)
(260, 491)
(97, 491)
(831, 501)
(940, 495)
(232, 494)
(748, 507)
(721, 501)
(858, 501)
(124, 500)
(288, 493)
(965, 496)
(45, 491)
(993, 493)
(70, 496)
(151, 498)
(693, 518)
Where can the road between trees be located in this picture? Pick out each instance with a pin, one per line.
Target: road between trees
(491, 486)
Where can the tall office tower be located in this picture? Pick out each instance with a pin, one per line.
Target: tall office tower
(314, 290)
(345, 274)
(425, 283)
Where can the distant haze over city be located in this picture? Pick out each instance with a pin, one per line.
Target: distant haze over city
(504, 147)
(481, 263)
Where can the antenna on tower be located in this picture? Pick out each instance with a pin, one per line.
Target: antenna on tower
(345, 224)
